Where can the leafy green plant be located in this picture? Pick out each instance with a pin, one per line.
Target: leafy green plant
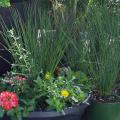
(63, 90)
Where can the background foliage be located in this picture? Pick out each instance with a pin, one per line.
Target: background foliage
(4, 3)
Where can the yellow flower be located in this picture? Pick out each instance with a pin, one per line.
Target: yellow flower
(48, 76)
(64, 93)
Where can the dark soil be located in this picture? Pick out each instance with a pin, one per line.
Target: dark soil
(115, 97)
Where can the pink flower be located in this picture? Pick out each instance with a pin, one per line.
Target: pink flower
(8, 100)
(20, 78)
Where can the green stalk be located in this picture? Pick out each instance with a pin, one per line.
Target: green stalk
(105, 47)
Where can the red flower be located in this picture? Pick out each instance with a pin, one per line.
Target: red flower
(8, 100)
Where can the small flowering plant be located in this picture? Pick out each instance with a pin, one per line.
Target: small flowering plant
(63, 90)
(15, 100)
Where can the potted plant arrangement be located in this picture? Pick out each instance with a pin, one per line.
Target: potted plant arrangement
(35, 88)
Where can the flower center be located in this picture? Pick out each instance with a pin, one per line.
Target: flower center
(8, 98)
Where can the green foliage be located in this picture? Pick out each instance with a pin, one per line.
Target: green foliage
(15, 113)
(35, 44)
(19, 52)
(5, 3)
(26, 97)
(2, 111)
(67, 11)
(95, 49)
(29, 106)
(103, 55)
(69, 82)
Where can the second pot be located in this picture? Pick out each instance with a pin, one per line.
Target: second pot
(103, 111)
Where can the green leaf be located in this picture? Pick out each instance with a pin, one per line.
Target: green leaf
(10, 112)
(2, 111)
(19, 113)
(5, 3)
(26, 112)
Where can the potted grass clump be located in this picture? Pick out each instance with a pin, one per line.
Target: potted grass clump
(97, 48)
(34, 89)
(104, 57)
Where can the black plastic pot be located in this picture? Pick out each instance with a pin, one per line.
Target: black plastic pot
(103, 111)
(73, 113)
